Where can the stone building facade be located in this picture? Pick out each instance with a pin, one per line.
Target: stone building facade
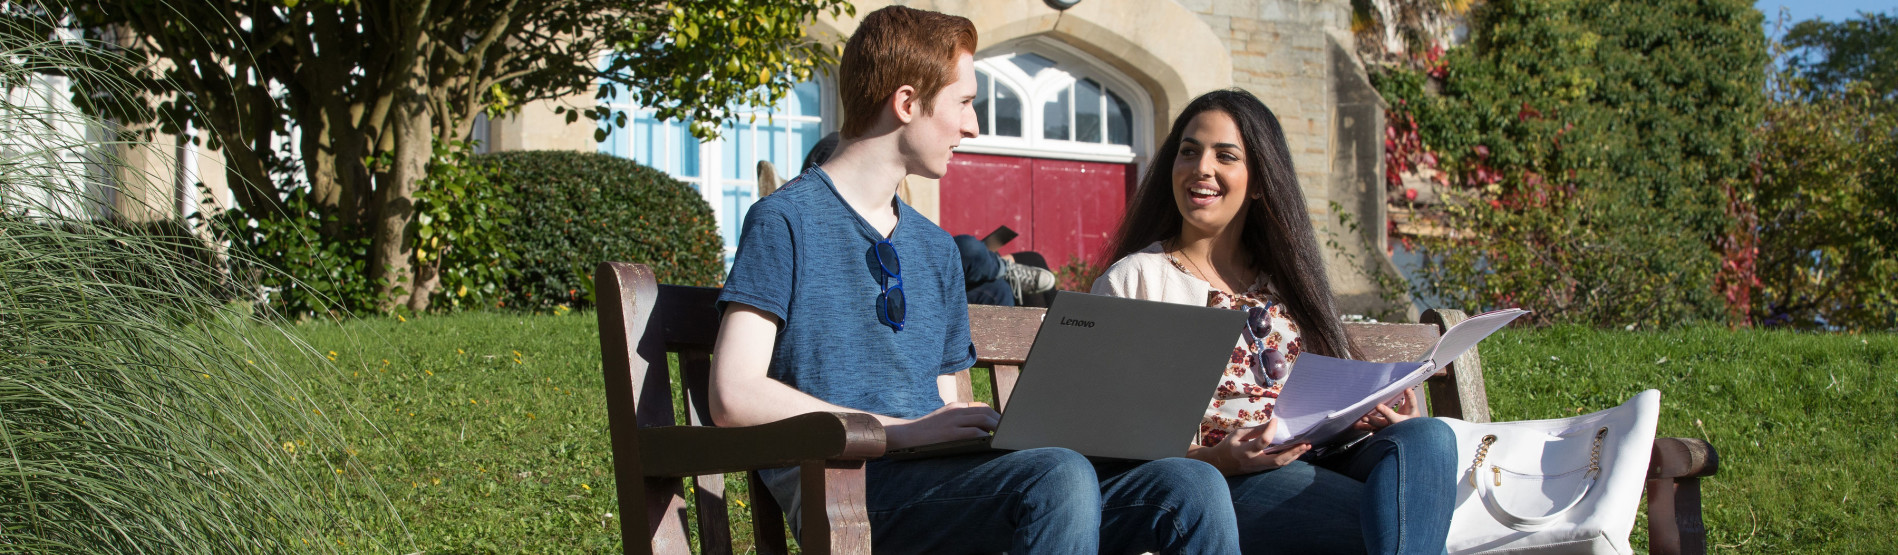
(1296, 55)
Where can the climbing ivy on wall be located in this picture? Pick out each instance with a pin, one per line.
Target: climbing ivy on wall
(1594, 156)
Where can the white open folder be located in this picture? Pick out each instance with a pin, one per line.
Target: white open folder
(1325, 395)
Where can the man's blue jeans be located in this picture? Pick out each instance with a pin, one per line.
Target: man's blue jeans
(1046, 501)
(1392, 493)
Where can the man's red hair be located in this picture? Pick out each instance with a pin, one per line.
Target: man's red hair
(898, 46)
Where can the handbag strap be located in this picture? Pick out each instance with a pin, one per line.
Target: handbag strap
(1512, 520)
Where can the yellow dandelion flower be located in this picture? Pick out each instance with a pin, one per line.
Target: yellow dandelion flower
(471, 401)
(435, 481)
(517, 354)
(332, 353)
(206, 376)
(460, 352)
(289, 447)
(413, 485)
(429, 372)
(399, 318)
(385, 362)
(586, 487)
(339, 471)
(250, 362)
(530, 416)
(318, 411)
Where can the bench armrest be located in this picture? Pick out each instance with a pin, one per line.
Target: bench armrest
(1680, 457)
(681, 451)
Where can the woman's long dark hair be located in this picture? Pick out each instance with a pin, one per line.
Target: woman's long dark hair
(1278, 236)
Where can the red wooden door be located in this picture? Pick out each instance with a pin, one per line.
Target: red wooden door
(1077, 206)
(981, 192)
(1061, 208)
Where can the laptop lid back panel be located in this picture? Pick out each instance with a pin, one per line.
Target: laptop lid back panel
(1119, 378)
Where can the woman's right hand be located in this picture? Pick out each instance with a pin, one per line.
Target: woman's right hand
(1246, 451)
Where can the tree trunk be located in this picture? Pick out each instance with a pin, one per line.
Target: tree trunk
(390, 252)
(428, 277)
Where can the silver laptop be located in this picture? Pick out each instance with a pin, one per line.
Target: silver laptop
(1113, 378)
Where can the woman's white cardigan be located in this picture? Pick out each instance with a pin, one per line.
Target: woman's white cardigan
(1149, 275)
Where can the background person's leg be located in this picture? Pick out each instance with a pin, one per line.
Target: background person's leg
(996, 293)
(1165, 506)
(982, 273)
(1033, 501)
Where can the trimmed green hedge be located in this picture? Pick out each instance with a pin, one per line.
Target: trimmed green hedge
(576, 210)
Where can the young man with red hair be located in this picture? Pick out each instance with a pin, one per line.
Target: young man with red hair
(843, 299)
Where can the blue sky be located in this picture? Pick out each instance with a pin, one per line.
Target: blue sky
(1830, 10)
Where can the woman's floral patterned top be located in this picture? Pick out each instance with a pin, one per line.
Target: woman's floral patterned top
(1259, 365)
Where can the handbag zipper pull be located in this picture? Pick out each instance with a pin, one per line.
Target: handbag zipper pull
(1499, 474)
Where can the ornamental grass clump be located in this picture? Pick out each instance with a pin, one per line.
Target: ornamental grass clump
(136, 413)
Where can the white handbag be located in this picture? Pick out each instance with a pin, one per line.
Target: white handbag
(1569, 485)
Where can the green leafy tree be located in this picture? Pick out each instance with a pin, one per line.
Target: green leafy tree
(1593, 153)
(1828, 212)
(361, 91)
(1826, 198)
(1832, 56)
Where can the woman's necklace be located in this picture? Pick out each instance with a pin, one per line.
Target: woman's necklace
(1203, 276)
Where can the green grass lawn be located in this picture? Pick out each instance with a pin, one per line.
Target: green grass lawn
(486, 433)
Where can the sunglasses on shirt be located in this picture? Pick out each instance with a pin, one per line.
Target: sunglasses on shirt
(891, 307)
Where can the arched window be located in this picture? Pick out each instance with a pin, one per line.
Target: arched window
(1040, 98)
(725, 170)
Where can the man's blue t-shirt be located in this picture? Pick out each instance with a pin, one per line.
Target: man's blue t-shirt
(808, 258)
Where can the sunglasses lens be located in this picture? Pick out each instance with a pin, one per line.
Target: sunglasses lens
(1274, 362)
(894, 306)
(886, 254)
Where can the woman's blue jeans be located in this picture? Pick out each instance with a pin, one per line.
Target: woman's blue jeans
(1042, 501)
(1392, 493)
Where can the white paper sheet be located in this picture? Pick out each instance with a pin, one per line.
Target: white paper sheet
(1462, 337)
(1325, 395)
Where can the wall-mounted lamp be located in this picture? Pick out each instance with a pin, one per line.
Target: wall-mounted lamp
(1061, 5)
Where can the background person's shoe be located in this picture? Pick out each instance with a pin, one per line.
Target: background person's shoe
(1027, 280)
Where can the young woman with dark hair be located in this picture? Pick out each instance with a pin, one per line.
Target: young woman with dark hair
(1219, 220)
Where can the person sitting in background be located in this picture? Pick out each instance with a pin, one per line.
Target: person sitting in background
(996, 279)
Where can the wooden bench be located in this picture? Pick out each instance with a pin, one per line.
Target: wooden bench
(643, 322)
